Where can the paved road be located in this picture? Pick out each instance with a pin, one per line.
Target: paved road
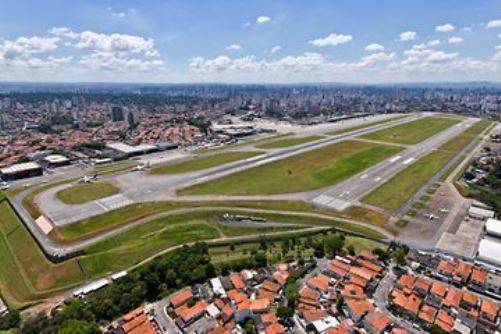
(140, 187)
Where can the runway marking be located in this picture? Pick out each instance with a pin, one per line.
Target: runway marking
(408, 161)
(254, 158)
(363, 176)
(377, 179)
(203, 178)
(395, 158)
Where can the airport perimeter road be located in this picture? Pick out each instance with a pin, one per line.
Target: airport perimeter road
(350, 191)
(138, 187)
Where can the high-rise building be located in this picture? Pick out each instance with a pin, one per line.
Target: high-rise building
(117, 114)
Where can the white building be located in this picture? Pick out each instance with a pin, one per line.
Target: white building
(493, 227)
(489, 250)
(479, 213)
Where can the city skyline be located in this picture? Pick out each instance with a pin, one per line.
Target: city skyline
(250, 42)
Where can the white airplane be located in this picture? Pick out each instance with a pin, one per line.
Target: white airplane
(444, 210)
(431, 216)
(86, 179)
(142, 167)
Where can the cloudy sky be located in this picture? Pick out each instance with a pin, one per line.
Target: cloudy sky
(261, 41)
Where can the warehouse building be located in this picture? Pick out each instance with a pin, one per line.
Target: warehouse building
(130, 151)
(493, 227)
(480, 213)
(56, 160)
(489, 250)
(20, 171)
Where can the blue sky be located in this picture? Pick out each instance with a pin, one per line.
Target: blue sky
(250, 41)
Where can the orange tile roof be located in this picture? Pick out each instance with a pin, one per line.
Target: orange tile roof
(444, 321)
(445, 267)
(275, 328)
(413, 304)
(353, 291)
(314, 315)
(340, 264)
(478, 276)
(422, 284)
(360, 307)
(489, 308)
(378, 320)
(367, 255)
(399, 298)
(371, 266)
(132, 314)
(398, 330)
(145, 328)
(270, 286)
(227, 310)
(245, 305)
(191, 312)
(129, 326)
(262, 293)
(439, 289)
(237, 296)
(463, 269)
(336, 270)
(357, 280)
(406, 281)
(339, 329)
(470, 298)
(427, 314)
(260, 305)
(319, 282)
(309, 293)
(237, 281)
(280, 277)
(181, 298)
(363, 272)
(453, 298)
(269, 318)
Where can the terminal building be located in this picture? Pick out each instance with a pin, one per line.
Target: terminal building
(130, 151)
(20, 171)
(56, 160)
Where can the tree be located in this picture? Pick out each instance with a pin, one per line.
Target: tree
(284, 312)
(79, 327)
(333, 244)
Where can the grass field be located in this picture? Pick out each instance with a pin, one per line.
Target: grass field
(140, 242)
(126, 215)
(412, 132)
(400, 188)
(201, 163)
(26, 274)
(363, 126)
(289, 142)
(83, 193)
(307, 171)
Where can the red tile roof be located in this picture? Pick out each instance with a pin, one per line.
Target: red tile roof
(453, 298)
(314, 315)
(427, 314)
(439, 289)
(359, 307)
(445, 321)
(406, 281)
(445, 268)
(319, 282)
(365, 273)
(237, 281)
(367, 255)
(377, 320)
(270, 286)
(189, 313)
(275, 328)
(180, 298)
(489, 309)
(269, 318)
(353, 291)
(260, 305)
(478, 276)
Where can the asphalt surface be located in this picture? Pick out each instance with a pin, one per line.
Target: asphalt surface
(350, 191)
(138, 187)
(141, 187)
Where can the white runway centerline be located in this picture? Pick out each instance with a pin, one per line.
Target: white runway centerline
(408, 161)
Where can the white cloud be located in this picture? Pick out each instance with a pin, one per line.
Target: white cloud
(24, 47)
(111, 61)
(494, 24)
(331, 40)
(233, 47)
(116, 43)
(275, 49)
(434, 42)
(455, 40)
(499, 36)
(408, 36)
(445, 28)
(376, 58)
(63, 32)
(263, 19)
(374, 47)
